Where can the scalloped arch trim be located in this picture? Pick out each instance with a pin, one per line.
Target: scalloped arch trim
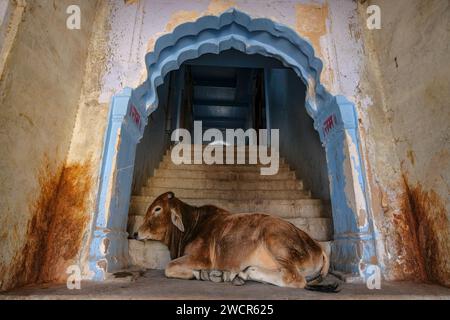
(232, 29)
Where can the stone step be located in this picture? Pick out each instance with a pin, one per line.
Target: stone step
(217, 184)
(155, 255)
(228, 194)
(225, 151)
(240, 148)
(306, 208)
(320, 229)
(222, 175)
(167, 158)
(223, 167)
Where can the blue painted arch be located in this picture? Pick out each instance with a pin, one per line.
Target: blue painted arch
(231, 30)
(334, 118)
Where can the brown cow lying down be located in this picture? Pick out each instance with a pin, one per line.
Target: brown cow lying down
(209, 243)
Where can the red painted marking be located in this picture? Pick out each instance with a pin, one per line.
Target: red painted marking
(329, 124)
(135, 116)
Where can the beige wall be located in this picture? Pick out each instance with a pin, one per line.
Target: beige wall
(411, 158)
(39, 92)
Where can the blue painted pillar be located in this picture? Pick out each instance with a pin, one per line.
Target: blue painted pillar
(353, 246)
(109, 246)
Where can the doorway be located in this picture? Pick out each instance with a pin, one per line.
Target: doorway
(332, 117)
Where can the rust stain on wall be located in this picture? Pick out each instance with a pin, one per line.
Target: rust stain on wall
(416, 230)
(55, 232)
(421, 243)
(403, 260)
(68, 221)
(409, 260)
(432, 232)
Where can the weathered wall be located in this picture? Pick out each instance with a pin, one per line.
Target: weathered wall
(400, 103)
(39, 92)
(299, 142)
(410, 54)
(324, 23)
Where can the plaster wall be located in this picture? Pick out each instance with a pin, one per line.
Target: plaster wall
(36, 124)
(410, 54)
(324, 23)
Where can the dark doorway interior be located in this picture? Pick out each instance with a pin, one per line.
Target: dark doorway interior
(234, 90)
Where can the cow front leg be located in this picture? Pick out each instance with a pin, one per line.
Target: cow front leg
(215, 275)
(186, 267)
(283, 277)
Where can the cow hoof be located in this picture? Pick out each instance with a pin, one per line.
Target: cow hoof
(196, 274)
(216, 276)
(244, 275)
(228, 276)
(204, 275)
(238, 281)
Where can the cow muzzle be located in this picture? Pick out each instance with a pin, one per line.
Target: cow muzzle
(137, 236)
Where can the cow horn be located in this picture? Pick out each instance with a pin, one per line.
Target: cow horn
(171, 195)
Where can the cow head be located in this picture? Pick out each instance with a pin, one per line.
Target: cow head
(161, 214)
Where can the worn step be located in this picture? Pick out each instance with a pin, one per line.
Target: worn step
(221, 175)
(228, 194)
(155, 255)
(226, 150)
(306, 208)
(320, 229)
(217, 184)
(223, 167)
(168, 158)
(241, 148)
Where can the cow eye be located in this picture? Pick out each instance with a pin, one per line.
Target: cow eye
(157, 210)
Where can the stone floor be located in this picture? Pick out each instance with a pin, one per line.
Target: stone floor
(153, 285)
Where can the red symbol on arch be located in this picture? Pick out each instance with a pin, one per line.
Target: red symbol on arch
(135, 116)
(329, 124)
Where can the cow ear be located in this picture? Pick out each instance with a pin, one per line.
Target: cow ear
(177, 220)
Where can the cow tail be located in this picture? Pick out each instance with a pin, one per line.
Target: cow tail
(329, 288)
(326, 264)
(317, 284)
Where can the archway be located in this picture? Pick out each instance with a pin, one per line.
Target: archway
(334, 118)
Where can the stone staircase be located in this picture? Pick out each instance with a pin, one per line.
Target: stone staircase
(237, 188)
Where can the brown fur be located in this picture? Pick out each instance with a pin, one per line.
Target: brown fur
(255, 246)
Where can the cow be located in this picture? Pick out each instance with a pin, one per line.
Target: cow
(210, 243)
